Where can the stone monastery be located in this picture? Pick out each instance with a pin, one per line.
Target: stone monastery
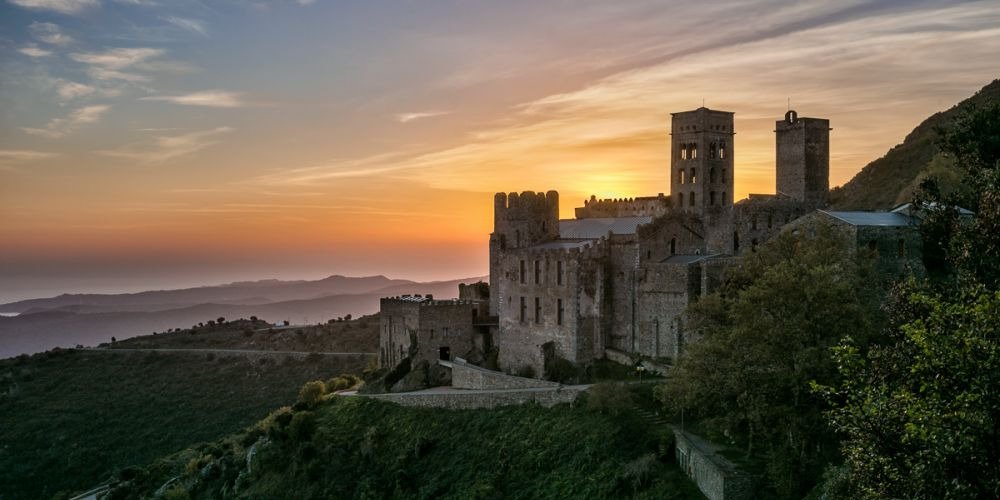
(614, 281)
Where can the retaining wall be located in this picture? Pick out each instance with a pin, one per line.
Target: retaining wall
(460, 400)
(466, 376)
(716, 477)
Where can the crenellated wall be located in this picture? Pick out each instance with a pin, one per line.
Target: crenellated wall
(519, 221)
(623, 207)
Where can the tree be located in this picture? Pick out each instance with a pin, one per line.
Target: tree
(764, 337)
(221, 320)
(921, 414)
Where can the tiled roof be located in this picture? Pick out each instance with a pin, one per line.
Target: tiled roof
(872, 218)
(600, 227)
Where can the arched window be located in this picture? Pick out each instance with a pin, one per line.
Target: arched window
(694, 151)
(684, 151)
(711, 150)
(691, 200)
(680, 176)
(722, 150)
(694, 176)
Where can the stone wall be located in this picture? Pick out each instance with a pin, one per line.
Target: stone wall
(716, 477)
(466, 376)
(458, 400)
(623, 207)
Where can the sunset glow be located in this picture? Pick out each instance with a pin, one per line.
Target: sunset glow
(164, 144)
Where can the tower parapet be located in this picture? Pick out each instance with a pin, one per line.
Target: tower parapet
(519, 221)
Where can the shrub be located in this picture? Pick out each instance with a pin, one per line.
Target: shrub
(312, 393)
(639, 472)
(559, 369)
(608, 397)
(176, 492)
(302, 426)
(341, 383)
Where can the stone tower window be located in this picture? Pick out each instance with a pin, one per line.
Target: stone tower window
(684, 152)
(673, 246)
(711, 200)
(522, 272)
(736, 242)
(538, 272)
(711, 151)
(694, 176)
(517, 238)
(680, 176)
(694, 151)
(723, 199)
(559, 311)
(559, 272)
(680, 199)
(722, 151)
(538, 310)
(691, 200)
(723, 175)
(711, 175)
(523, 309)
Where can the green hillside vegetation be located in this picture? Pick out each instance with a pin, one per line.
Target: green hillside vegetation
(892, 179)
(70, 418)
(353, 447)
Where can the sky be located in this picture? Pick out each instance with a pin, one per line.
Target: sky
(150, 144)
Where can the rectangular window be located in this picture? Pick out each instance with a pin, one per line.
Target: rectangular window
(901, 247)
(559, 311)
(522, 272)
(524, 308)
(559, 272)
(694, 176)
(538, 310)
(538, 272)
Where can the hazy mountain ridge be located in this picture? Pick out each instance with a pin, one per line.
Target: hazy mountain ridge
(890, 180)
(45, 329)
(237, 292)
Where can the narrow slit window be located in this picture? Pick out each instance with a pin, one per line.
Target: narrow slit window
(538, 310)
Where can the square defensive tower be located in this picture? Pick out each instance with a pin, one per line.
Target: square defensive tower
(803, 158)
(701, 159)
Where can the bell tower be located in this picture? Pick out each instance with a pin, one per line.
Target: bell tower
(701, 160)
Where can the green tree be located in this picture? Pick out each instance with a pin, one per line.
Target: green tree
(921, 414)
(764, 337)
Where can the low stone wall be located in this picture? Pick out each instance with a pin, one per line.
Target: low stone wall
(462, 400)
(716, 477)
(466, 376)
(619, 357)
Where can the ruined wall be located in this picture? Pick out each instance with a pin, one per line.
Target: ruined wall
(715, 476)
(578, 292)
(466, 376)
(623, 207)
(398, 320)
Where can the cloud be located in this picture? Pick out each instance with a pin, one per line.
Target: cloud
(8, 156)
(409, 117)
(49, 33)
(61, 6)
(59, 127)
(208, 98)
(167, 147)
(34, 51)
(71, 90)
(305, 2)
(116, 58)
(191, 25)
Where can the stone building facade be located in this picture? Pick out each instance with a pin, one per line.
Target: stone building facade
(617, 278)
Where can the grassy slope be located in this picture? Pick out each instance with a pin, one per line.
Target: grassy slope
(890, 180)
(69, 418)
(363, 448)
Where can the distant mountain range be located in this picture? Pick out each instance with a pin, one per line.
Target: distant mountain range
(891, 179)
(90, 319)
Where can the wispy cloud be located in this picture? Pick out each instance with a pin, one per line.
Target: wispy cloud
(108, 65)
(49, 33)
(34, 51)
(71, 90)
(61, 6)
(167, 147)
(59, 127)
(8, 156)
(419, 115)
(192, 25)
(207, 98)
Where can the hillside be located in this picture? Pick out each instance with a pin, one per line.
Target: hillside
(890, 180)
(352, 447)
(39, 331)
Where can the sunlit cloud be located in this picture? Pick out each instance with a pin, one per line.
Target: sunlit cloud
(59, 127)
(71, 90)
(61, 6)
(168, 147)
(409, 117)
(49, 33)
(208, 98)
(34, 51)
(9, 156)
(116, 58)
(192, 25)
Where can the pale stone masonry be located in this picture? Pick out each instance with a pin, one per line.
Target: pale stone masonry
(619, 276)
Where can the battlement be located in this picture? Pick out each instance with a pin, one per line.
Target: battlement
(424, 300)
(525, 204)
(595, 208)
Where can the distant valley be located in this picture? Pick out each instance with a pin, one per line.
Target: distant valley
(90, 319)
